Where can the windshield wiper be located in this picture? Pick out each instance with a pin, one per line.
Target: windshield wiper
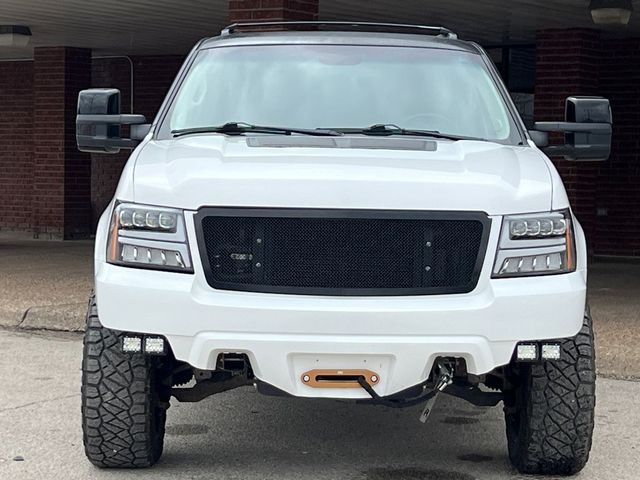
(386, 129)
(240, 128)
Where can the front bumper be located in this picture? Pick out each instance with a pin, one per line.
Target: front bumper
(286, 335)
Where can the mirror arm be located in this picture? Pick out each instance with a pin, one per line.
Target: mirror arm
(90, 141)
(587, 129)
(127, 119)
(558, 150)
(569, 151)
(597, 128)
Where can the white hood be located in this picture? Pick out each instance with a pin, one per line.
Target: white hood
(214, 170)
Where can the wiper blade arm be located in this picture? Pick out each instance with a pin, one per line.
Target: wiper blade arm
(387, 129)
(240, 128)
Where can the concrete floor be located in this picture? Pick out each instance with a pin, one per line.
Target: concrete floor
(46, 285)
(244, 435)
(614, 296)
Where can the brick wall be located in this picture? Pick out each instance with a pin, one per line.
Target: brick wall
(618, 185)
(77, 170)
(48, 151)
(254, 10)
(61, 174)
(154, 76)
(16, 151)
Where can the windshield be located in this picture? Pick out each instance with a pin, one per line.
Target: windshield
(343, 86)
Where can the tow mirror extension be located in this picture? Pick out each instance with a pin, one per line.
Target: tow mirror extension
(587, 130)
(99, 121)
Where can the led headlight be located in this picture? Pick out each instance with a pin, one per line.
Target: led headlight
(148, 237)
(139, 218)
(538, 244)
(521, 228)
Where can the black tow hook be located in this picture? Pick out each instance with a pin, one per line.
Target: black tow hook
(393, 402)
(445, 378)
(444, 383)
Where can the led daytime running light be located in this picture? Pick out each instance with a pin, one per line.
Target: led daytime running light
(147, 219)
(537, 227)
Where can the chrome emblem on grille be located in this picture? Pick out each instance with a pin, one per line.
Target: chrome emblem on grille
(241, 256)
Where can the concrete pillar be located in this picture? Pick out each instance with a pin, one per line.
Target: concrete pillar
(567, 63)
(272, 10)
(62, 175)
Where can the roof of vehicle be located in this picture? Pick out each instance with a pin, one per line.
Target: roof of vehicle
(339, 37)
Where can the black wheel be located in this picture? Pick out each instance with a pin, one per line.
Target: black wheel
(123, 401)
(550, 412)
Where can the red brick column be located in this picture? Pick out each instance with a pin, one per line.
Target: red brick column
(567, 64)
(62, 175)
(272, 10)
(618, 229)
(16, 150)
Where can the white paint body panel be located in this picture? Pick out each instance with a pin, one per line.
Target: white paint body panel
(284, 335)
(214, 170)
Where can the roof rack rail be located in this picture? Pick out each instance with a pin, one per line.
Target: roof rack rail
(423, 29)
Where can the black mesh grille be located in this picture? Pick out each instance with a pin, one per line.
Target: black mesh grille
(341, 256)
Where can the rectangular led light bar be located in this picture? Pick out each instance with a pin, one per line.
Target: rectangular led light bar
(550, 351)
(534, 352)
(148, 344)
(160, 257)
(522, 264)
(153, 345)
(132, 344)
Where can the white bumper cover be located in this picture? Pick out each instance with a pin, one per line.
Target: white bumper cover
(286, 335)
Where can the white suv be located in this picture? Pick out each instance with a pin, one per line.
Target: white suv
(347, 211)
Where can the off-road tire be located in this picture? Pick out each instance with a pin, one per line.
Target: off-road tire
(123, 403)
(550, 413)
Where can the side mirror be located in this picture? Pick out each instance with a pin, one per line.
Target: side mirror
(99, 120)
(587, 128)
